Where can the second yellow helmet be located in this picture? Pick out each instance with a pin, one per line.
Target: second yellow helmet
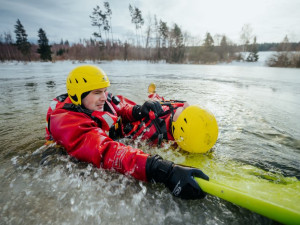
(195, 130)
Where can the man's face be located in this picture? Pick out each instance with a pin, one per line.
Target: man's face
(179, 110)
(95, 100)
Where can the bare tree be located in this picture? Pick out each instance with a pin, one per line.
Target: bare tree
(6, 47)
(217, 38)
(157, 36)
(284, 57)
(148, 31)
(8, 38)
(246, 36)
(284, 45)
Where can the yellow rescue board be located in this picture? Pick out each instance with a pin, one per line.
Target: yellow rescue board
(269, 194)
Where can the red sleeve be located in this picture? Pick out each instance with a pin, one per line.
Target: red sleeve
(84, 140)
(124, 109)
(155, 97)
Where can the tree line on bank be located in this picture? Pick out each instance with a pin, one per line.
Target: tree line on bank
(156, 42)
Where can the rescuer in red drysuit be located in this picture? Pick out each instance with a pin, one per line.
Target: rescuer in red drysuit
(82, 120)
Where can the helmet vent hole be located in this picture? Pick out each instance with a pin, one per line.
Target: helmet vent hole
(173, 129)
(84, 80)
(74, 97)
(182, 129)
(70, 81)
(185, 120)
(76, 81)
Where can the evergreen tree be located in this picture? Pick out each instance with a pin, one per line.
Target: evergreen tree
(223, 48)
(176, 47)
(102, 20)
(178, 36)
(209, 54)
(209, 42)
(163, 32)
(224, 42)
(253, 55)
(44, 48)
(21, 39)
(66, 43)
(137, 19)
(99, 19)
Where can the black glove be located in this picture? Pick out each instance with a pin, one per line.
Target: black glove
(179, 179)
(151, 106)
(140, 112)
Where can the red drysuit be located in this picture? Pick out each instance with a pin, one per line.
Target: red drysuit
(85, 134)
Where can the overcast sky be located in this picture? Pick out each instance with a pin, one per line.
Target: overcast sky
(69, 20)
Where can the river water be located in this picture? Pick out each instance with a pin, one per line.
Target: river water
(258, 113)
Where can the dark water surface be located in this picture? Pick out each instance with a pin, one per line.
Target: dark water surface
(257, 109)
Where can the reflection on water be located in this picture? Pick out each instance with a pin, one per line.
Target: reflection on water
(257, 109)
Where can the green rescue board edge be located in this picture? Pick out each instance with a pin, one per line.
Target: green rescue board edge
(268, 209)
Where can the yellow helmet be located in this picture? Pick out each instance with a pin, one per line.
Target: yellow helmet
(195, 130)
(151, 88)
(83, 79)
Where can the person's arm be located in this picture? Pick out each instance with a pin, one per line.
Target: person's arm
(130, 111)
(82, 139)
(125, 108)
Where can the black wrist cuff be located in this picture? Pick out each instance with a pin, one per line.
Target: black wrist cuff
(157, 169)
